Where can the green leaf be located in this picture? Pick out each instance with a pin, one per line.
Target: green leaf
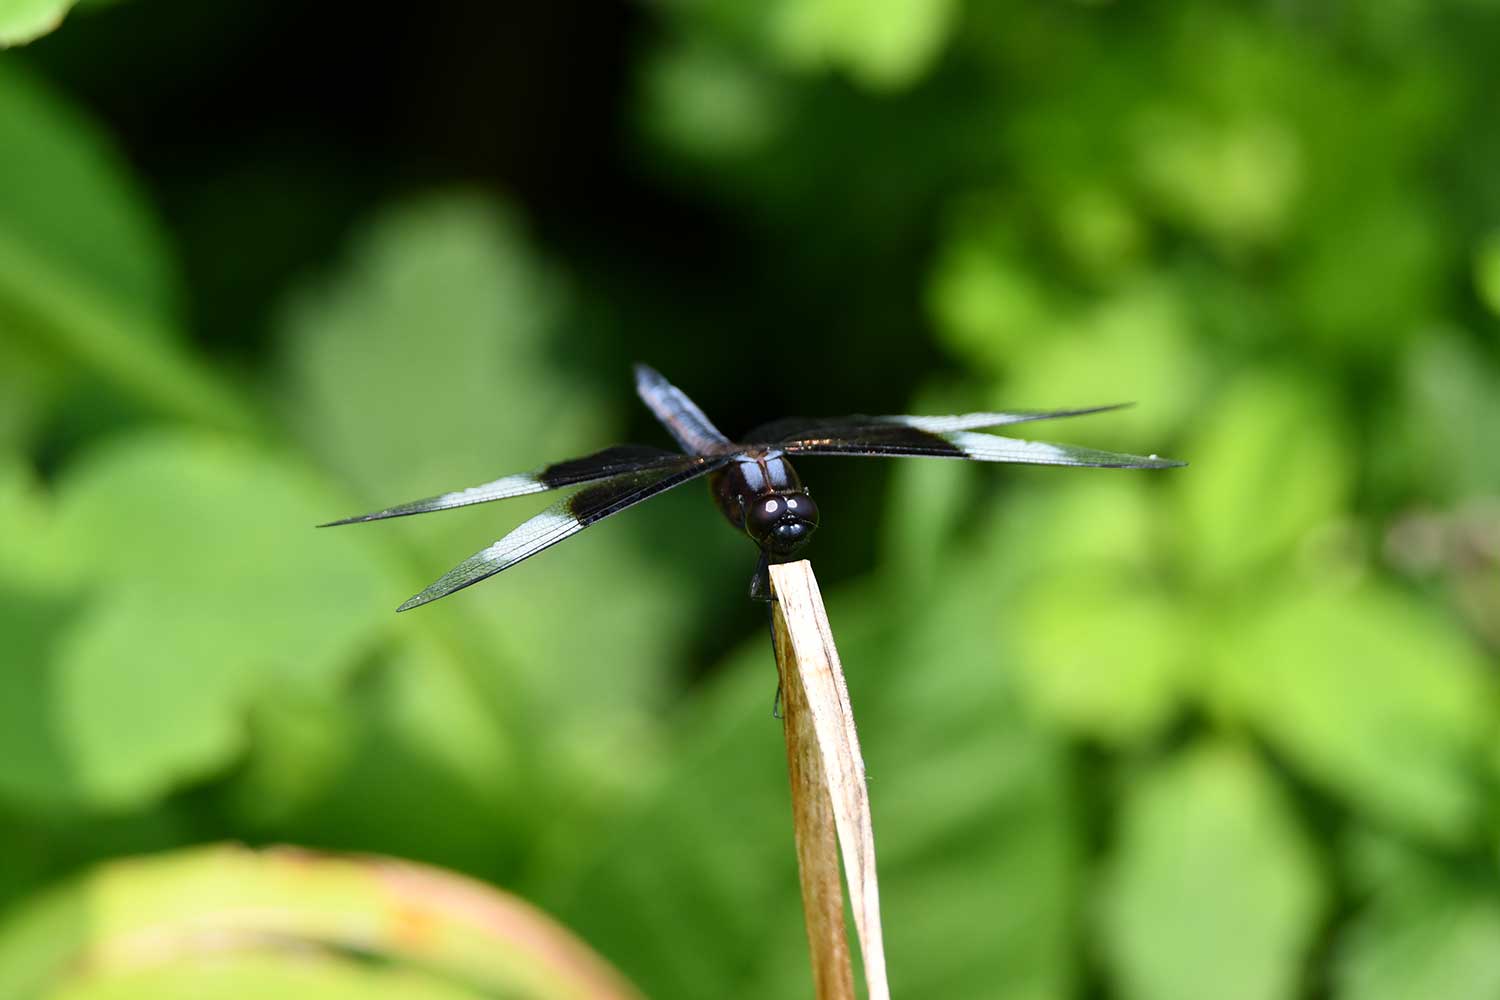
(1213, 890)
(298, 747)
(1134, 347)
(927, 504)
(430, 705)
(1373, 280)
(220, 589)
(883, 43)
(709, 102)
(1487, 271)
(1440, 431)
(67, 196)
(22, 21)
(86, 280)
(1270, 464)
(718, 830)
(226, 921)
(32, 555)
(976, 822)
(1235, 180)
(1103, 654)
(988, 304)
(36, 768)
(1101, 649)
(1100, 230)
(1093, 522)
(28, 384)
(1422, 932)
(397, 775)
(397, 413)
(1380, 701)
(39, 599)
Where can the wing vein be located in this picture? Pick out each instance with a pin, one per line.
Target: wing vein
(560, 521)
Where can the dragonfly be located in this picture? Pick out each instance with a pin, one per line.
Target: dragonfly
(752, 481)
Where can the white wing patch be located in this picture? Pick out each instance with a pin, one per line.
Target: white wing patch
(548, 526)
(516, 485)
(993, 448)
(974, 421)
(526, 539)
(506, 486)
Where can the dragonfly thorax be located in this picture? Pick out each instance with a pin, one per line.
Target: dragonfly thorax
(761, 495)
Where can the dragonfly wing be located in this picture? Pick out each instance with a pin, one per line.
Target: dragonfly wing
(677, 413)
(899, 440)
(794, 428)
(605, 464)
(564, 519)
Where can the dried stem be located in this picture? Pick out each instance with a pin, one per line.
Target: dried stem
(830, 804)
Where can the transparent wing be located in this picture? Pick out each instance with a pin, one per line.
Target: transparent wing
(858, 424)
(604, 464)
(905, 440)
(677, 413)
(564, 519)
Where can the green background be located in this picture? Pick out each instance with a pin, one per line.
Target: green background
(1224, 731)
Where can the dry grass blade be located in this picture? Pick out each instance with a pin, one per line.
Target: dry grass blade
(830, 804)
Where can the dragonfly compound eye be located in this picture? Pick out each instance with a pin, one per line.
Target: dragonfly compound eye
(782, 524)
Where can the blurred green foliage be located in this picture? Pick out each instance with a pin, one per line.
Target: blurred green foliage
(1228, 731)
(23, 20)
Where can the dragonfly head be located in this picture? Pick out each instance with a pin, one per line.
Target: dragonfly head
(782, 523)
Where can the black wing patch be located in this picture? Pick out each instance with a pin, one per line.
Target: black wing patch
(564, 519)
(903, 440)
(860, 425)
(610, 462)
(678, 414)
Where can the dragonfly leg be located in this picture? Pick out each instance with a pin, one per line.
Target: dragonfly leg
(760, 590)
(760, 583)
(771, 621)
